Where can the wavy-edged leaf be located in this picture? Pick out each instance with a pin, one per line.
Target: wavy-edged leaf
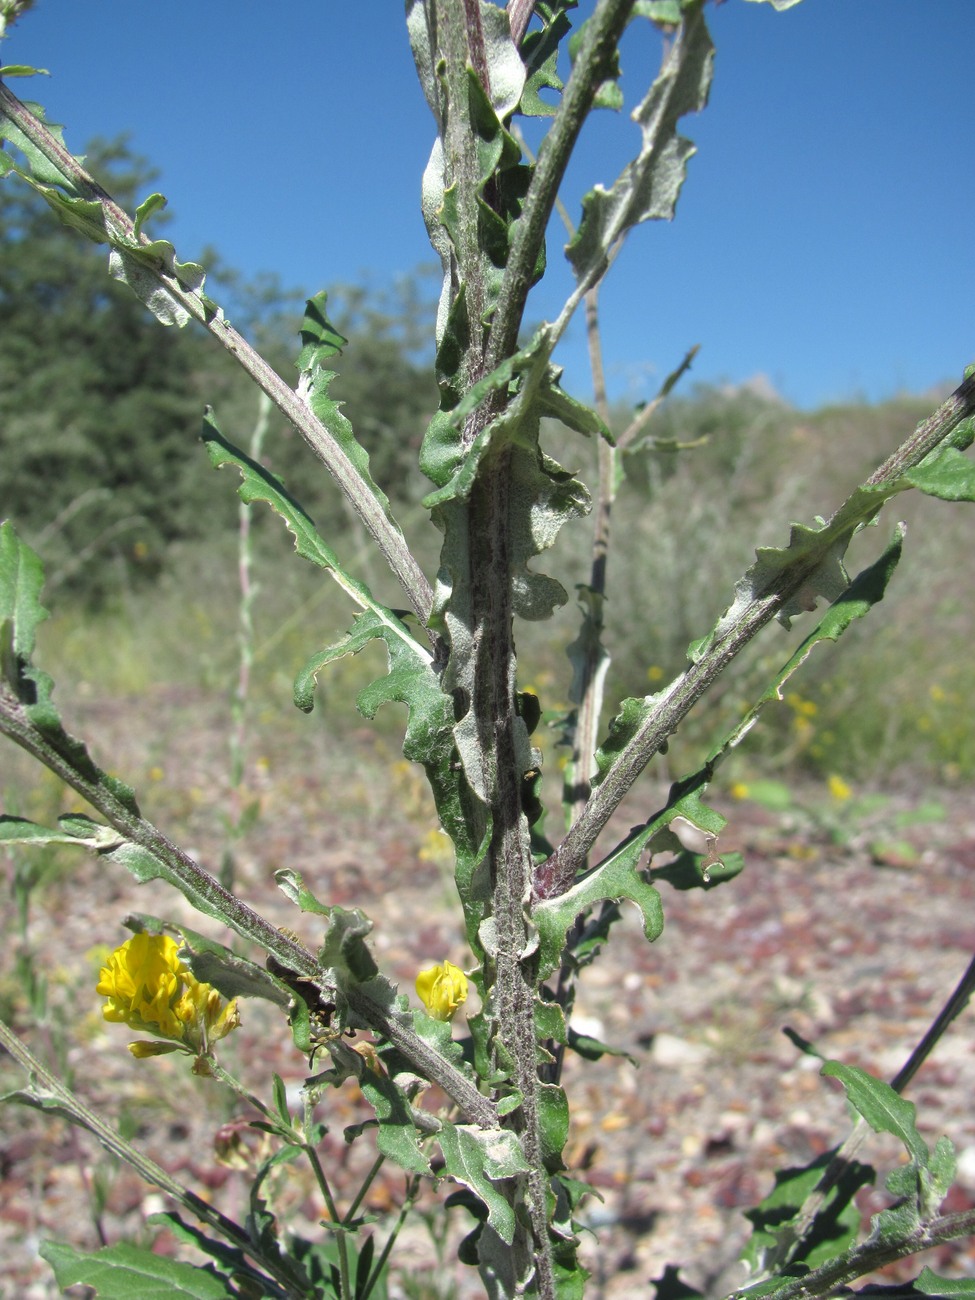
(866, 590)
(615, 878)
(126, 1272)
(21, 582)
(923, 1183)
(649, 186)
(133, 259)
(230, 1259)
(883, 1109)
(320, 341)
(540, 52)
(618, 877)
(398, 1137)
(259, 484)
(477, 1158)
(814, 555)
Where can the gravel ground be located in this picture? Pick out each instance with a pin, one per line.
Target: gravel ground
(852, 931)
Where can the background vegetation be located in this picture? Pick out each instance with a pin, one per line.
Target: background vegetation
(118, 392)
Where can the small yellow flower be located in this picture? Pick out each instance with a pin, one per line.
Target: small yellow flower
(148, 988)
(442, 989)
(739, 790)
(655, 673)
(838, 788)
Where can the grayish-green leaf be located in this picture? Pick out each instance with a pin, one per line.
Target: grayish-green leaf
(477, 1158)
(649, 186)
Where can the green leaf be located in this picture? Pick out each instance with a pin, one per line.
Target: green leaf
(540, 53)
(883, 1109)
(947, 473)
(21, 611)
(648, 187)
(16, 830)
(553, 1124)
(23, 70)
(476, 1158)
(292, 885)
(398, 1137)
(320, 341)
(261, 485)
(21, 580)
(230, 1259)
(835, 1227)
(125, 1272)
(616, 877)
(930, 1284)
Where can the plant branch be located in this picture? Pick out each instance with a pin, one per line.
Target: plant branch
(602, 33)
(43, 1081)
(208, 896)
(519, 16)
(861, 1130)
(681, 696)
(119, 232)
(868, 1256)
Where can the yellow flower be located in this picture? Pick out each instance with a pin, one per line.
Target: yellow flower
(838, 788)
(655, 673)
(442, 989)
(148, 988)
(739, 790)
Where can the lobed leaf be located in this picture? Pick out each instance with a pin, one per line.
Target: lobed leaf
(648, 187)
(540, 53)
(29, 689)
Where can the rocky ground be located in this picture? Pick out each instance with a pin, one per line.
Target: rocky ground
(851, 925)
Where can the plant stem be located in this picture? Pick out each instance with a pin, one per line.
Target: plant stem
(119, 232)
(847, 1151)
(43, 1082)
(681, 696)
(340, 1237)
(602, 33)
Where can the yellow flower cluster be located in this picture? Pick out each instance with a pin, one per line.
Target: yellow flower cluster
(442, 989)
(148, 988)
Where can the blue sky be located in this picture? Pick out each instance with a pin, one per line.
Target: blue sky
(823, 238)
